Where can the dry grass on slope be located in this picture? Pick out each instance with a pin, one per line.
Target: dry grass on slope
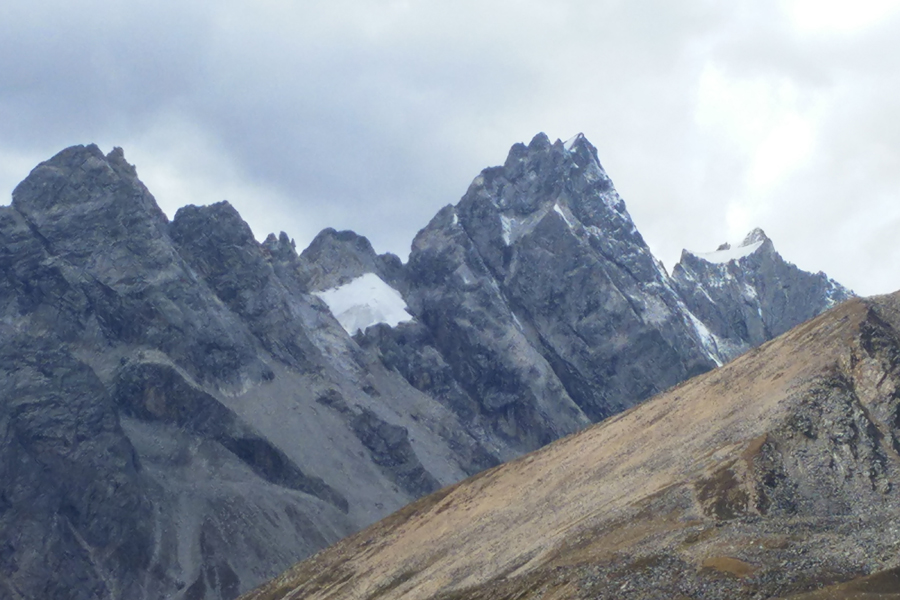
(665, 497)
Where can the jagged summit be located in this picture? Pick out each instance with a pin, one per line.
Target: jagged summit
(544, 252)
(573, 141)
(282, 247)
(541, 172)
(748, 294)
(335, 258)
(755, 236)
(753, 242)
(83, 176)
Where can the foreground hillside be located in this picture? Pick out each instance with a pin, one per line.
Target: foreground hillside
(774, 475)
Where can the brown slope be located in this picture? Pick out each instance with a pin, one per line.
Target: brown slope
(771, 476)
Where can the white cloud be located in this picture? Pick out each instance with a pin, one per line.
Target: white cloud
(838, 16)
(786, 147)
(764, 118)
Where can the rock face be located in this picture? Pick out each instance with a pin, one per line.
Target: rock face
(71, 480)
(772, 476)
(542, 254)
(749, 294)
(539, 307)
(182, 416)
(335, 258)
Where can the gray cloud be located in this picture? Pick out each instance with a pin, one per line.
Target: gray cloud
(372, 115)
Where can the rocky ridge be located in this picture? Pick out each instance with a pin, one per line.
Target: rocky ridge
(539, 307)
(182, 416)
(749, 294)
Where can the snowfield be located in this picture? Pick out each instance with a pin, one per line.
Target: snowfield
(725, 256)
(365, 301)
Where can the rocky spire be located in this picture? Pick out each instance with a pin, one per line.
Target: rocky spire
(749, 294)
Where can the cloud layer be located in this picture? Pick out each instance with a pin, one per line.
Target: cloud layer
(372, 115)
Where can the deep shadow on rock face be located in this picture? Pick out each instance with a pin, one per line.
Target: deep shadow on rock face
(391, 450)
(71, 482)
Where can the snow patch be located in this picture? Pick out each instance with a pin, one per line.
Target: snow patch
(570, 143)
(706, 338)
(465, 274)
(507, 224)
(611, 197)
(834, 288)
(729, 254)
(561, 213)
(515, 228)
(750, 292)
(365, 301)
(655, 311)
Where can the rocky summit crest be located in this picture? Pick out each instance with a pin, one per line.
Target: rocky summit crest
(755, 236)
(749, 294)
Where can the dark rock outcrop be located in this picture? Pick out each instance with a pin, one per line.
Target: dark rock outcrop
(390, 449)
(75, 520)
(157, 393)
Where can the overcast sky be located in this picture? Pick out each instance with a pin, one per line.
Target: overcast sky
(711, 117)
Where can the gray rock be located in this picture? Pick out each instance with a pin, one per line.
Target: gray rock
(753, 297)
(98, 220)
(161, 435)
(543, 298)
(334, 258)
(390, 449)
(219, 246)
(75, 519)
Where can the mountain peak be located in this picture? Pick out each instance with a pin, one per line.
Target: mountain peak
(539, 142)
(754, 237)
(281, 246)
(574, 141)
(726, 253)
(335, 258)
(747, 294)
